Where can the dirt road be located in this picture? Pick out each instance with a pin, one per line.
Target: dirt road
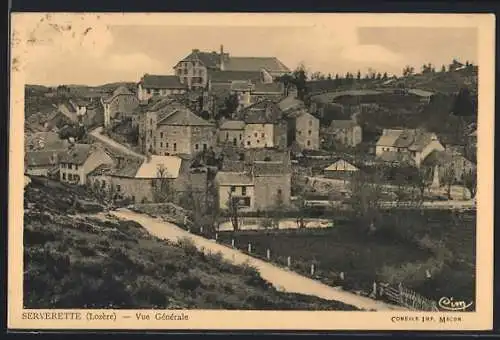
(281, 278)
(97, 133)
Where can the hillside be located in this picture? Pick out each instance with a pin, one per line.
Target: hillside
(77, 260)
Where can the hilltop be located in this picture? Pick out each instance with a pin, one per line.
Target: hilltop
(75, 259)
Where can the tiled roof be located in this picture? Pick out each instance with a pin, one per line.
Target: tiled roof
(43, 158)
(184, 117)
(414, 140)
(233, 166)
(396, 157)
(268, 88)
(233, 178)
(341, 165)
(389, 137)
(290, 103)
(76, 154)
(121, 90)
(217, 76)
(44, 141)
(263, 168)
(241, 85)
(260, 155)
(437, 157)
(270, 64)
(150, 81)
(150, 167)
(101, 170)
(262, 112)
(232, 125)
(209, 59)
(128, 167)
(343, 124)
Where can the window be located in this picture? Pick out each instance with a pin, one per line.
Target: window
(308, 143)
(235, 141)
(248, 143)
(161, 134)
(310, 132)
(70, 177)
(258, 141)
(165, 153)
(240, 136)
(161, 145)
(233, 189)
(243, 191)
(196, 146)
(310, 123)
(64, 176)
(166, 145)
(299, 132)
(175, 146)
(262, 135)
(118, 187)
(204, 147)
(103, 184)
(76, 178)
(279, 192)
(255, 135)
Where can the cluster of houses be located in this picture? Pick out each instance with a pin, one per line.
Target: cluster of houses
(253, 148)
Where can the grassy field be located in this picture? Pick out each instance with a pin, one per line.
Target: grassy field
(401, 250)
(77, 260)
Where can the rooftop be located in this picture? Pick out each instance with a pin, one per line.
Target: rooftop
(149, 81)
(154, 167)
(262, 112)
(270, 64)
(232, 125)
(184, 117)
(76, 154)
(227, 178)
(217, 76)
(42, 158)
(343, 124)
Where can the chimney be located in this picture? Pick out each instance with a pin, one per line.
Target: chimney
(222, 57)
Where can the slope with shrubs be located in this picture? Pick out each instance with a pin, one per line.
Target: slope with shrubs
(74, 259)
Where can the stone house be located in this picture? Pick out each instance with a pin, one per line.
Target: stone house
(174, 129)
(140, 179)
(42, 163)
(257, 184)
(418, 144)
(196, 69)
(265, 126)
(231, 131)
(345, 132)
(306, 130)
(79, 160)
(159, 86)
(120, 104)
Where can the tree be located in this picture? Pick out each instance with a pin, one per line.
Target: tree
(464, 105)
(233, 208)
(470, 182)
(448, 179)
(300, 79)
(366, 197)
(162, 189)
(379, 76)
(231, 104)
(287, 80)
(423, 180)
(385, 76)
(329, 76)
(358, 76)
(408, 70)
(443, 69)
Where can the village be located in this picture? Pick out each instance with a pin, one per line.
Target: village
(228, 144)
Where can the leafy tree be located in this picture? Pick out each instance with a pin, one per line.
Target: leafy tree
(470, 182)
(233, 208)
(443, 69)
(366, 197)
(358, 76)
(231, 103)
(448, 179)
(464, 105)
(379, 76)
(408, 70)
(423, 180)
(300, 79)
(385, 76)
(329, 76)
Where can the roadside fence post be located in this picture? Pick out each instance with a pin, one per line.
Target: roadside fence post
(268, 255)
(216, 236)
(232, 242)
(312, 269)
(249, 247)
(289, 261)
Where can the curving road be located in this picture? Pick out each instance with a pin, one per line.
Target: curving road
(97, 133)
(281, 278)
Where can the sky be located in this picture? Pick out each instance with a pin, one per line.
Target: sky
(75, 54)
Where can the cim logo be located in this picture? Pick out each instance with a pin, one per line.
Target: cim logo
(451, 304)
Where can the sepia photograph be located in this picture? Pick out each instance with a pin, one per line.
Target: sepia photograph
(176, 163)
